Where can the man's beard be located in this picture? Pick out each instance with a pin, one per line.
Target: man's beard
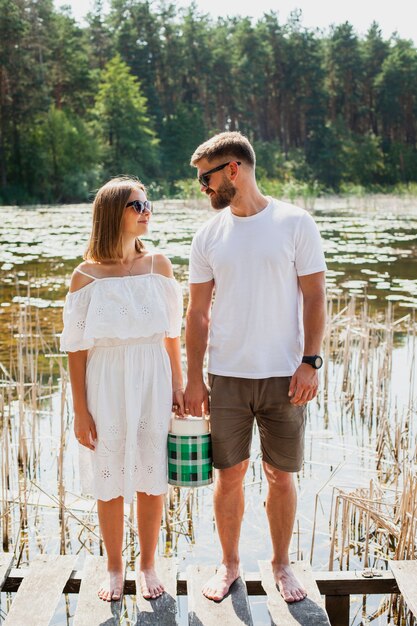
(222, 198)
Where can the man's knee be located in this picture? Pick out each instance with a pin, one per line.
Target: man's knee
(231, 477)
(278, 479)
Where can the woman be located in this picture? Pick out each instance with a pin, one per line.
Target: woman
(122, 322)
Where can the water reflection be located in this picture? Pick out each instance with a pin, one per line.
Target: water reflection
(371, 249)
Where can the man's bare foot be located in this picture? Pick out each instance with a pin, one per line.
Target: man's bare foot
(113, 587)
(290, 588)
(218, 585)
(150, 585)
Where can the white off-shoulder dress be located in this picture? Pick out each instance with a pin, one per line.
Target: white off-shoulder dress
(122, 322)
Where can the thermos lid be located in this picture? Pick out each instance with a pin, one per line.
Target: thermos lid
(189, 426)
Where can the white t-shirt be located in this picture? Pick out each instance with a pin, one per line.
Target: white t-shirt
(256, 326)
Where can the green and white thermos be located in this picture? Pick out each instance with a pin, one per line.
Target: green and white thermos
(189, 452)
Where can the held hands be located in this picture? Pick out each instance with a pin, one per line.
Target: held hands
(85, 430)
(197, 398)
(303, 385)
(178, 402)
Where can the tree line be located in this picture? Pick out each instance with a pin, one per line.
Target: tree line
(140, 85)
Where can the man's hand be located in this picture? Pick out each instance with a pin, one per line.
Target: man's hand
(196, 399)
(303, 385)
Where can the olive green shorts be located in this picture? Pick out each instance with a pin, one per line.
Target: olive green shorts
(234, 405)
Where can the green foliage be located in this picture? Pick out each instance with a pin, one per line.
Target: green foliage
(129, 144)
(324, 154)
(69, 65)
(397, 93)
(138, 87)
(270, 159)
(364, 159)
(61, 157)
(187, 188)
(400, 163)
(409, 189)
(181, 133)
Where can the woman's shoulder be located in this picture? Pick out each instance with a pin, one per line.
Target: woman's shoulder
(83, 275)
(162, 265)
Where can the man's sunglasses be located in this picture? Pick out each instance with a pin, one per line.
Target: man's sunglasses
(204, 179)
(141, 206)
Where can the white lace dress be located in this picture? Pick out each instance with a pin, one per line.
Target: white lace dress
(122, 322)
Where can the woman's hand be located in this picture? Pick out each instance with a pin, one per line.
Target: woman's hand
(178, 402)
(85, 430)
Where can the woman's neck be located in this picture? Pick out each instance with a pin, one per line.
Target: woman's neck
(129, 250)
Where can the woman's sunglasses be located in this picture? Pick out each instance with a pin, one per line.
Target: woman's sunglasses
(141, 206)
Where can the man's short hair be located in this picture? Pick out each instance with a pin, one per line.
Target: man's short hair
(228, 144)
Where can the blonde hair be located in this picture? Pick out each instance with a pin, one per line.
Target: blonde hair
(105, 243)
(228, 144)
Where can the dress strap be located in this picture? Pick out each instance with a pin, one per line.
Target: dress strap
(152, 256)
(85, 273)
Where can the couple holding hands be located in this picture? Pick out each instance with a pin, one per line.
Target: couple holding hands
(257, 300)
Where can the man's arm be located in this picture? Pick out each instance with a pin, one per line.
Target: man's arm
(196, 339)
(304, 383)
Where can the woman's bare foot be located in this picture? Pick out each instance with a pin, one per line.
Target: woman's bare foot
(113, 587)
(150, 585)
(289, 586)
(218, 585)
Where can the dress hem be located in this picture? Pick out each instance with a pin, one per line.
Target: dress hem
(126, 501)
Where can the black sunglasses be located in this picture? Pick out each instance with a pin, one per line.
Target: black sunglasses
(204, 179)
(141, 206)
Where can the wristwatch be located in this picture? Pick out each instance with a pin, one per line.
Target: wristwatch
(315, 361)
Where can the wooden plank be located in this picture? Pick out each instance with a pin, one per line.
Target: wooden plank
(232, 610)
(40, 591)
(335, 583)
(405, 573)
(308, 612)
(341, 583)
(6, 560)
(160, 611)
(91, 610)
(337, 608)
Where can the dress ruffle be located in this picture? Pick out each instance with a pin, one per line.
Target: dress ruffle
(123, 308)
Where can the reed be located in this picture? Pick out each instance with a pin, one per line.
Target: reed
(367, 525)
(372, 524)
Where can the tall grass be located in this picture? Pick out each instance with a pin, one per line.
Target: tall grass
(372, 524)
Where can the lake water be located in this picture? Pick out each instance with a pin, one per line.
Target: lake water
(371, 251)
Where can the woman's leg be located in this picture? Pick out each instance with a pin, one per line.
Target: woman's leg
(110, 515)
(149, 523)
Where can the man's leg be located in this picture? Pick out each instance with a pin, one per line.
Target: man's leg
(281, 504)
(228, 508)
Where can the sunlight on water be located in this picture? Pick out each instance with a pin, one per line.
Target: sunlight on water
(370, 251)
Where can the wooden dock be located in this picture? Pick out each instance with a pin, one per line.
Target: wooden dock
(39, 587)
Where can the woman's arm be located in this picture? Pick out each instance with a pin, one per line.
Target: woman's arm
(163, 266)
(84, 426)
(173, 347)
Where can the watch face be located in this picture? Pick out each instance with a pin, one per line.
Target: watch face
(318, 362)
(315, 361)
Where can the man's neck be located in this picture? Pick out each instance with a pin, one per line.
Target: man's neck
(248, 203)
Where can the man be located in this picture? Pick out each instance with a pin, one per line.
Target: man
(264, 261)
